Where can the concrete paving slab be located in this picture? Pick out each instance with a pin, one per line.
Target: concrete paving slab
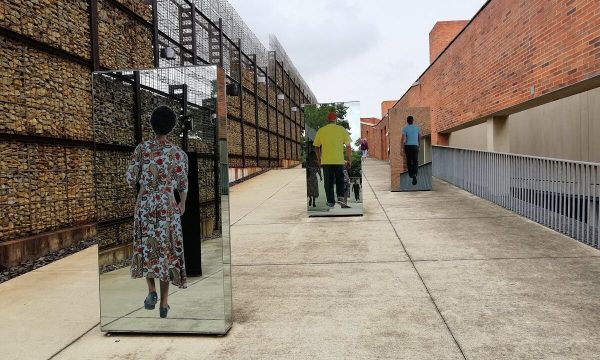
(283, 212)
(200, 305)
(336, 311)
(289, 206)
(44, 310)
(520, 309)
(123, 297)
(315, 243)
(356, 303)
(354, 310)
(387, 198)
(248, 195)
(456, 208)
(483, 238)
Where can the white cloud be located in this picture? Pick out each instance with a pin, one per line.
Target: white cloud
(354, 50)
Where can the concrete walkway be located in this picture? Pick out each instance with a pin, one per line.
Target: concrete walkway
(428, 275)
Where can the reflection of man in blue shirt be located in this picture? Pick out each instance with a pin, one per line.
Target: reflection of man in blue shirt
(410, 139)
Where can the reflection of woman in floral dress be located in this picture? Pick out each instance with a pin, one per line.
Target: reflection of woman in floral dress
(159, 167)
(312, 184)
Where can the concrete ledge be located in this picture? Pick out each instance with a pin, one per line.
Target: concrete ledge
(17, 251)
(114, 255)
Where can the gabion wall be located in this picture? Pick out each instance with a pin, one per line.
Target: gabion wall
(46, 138)
(114, 104)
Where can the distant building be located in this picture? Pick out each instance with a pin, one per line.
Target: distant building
(520, 77)
(375, 131)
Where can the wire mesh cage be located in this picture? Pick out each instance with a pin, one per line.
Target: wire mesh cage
(123, 102)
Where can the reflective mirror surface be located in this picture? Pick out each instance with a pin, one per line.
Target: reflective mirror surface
(410, 149)
(163, 268)
(333, 159)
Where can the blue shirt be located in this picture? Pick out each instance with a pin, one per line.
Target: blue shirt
(411, 133)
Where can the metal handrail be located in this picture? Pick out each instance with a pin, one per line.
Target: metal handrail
(520, 155)
(563, 195)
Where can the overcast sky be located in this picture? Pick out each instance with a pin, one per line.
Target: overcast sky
(354, 49)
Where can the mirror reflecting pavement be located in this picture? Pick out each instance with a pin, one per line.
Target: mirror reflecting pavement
(332, 156)
(199, 277)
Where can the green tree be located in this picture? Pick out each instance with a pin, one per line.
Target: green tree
(316, 115)
(355, 169)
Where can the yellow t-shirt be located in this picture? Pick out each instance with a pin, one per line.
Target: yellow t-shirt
(332, 138)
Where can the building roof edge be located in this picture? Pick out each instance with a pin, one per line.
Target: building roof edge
(446, 48)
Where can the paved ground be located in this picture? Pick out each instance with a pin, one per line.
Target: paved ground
(428, 275)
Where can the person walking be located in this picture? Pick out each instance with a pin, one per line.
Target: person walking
(410, 139)
(356, 189)
(346, 188)
(329, 144)
(312, 170)
(364, 147)
(159, 167)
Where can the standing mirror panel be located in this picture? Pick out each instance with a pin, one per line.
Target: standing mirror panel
(410, 149)
(332, 158)
(163, 267)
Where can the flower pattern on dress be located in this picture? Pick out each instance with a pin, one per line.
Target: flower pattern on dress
(160, 168)
(312, 188)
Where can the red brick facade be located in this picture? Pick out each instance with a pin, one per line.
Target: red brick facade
(386, 106)
(442, 34)
(375, 131)
(514, 54)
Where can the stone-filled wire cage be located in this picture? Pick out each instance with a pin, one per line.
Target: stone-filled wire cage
(122, 104)
(49, 50)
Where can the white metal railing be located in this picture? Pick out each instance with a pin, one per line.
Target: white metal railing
(560, 194)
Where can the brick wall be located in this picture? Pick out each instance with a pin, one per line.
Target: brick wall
(47, 186)
(511, 48)
(387, 105)
(442, 34)
(374, 130)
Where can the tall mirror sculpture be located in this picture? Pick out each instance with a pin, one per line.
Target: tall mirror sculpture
(163, 226)
(332, 158)
(410, 149)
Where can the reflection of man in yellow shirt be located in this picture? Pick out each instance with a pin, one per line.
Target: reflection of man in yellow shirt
(329, 143)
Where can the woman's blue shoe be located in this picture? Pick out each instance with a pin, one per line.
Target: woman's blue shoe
(151, 300)
(164, 311)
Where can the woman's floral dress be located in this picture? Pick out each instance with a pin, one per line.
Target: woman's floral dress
(159, 167)
(312, 188)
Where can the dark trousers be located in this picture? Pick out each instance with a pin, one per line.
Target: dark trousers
(333, 175)
(412, 159)
(356, 195)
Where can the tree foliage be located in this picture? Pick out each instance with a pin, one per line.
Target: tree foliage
(315, 116)
(355, 170)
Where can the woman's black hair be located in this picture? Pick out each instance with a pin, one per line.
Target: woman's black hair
(163, 120)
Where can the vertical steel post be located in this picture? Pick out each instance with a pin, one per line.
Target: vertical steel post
(595, 205)
(94, 34)
(276, 107)
(286, 119)
(220, 140)
(241, 82)
(194, 46)
(155, 33)
(577, 200)
(585, 205)
(185, 142)
(221, 55)
(137, 107)
(268, 113)
(256, 110)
